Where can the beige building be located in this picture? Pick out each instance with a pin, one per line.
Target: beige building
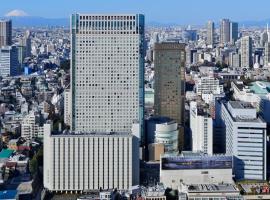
(155, 151)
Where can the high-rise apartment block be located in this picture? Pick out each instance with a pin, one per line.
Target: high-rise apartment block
(5, 33)
(245, 140)
(224, 31)
(210, 32)
(169, 62)
(246, 52)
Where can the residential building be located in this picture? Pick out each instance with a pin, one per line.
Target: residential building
(224, 31)
(210, 32)
(208, 84)
(201, 125)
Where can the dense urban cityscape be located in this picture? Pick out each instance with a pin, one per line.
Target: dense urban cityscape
(111, 107)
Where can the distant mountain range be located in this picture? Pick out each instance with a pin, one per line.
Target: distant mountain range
(31, 21)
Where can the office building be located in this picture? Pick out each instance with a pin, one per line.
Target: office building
(67, 107)
(210, 32)
(5, 33)
(169, 62)
(107, 72)
(107, 101)
(245, 140)
(9, 65)
(267, 53)
(233, 32)
(77, 161)
(201, 125)
(195, 168)
(224, 31)
(246, 52)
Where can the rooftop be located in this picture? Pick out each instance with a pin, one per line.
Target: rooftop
(6, 153)
(212, 188)
(84, 133)
(260, 87)
(241, 105)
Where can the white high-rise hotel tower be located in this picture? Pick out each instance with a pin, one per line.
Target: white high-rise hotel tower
(107, 99)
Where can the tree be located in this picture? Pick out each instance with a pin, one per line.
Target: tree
(65, 65)
(33, 165)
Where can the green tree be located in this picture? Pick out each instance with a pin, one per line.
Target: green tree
(65, 65)
(33, 165)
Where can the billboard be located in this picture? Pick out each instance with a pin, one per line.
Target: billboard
(200, 162)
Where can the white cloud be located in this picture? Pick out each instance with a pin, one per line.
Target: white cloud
(16, 13)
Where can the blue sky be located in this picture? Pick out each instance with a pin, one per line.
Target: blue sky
(164, 11)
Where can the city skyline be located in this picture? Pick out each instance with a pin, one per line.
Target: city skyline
(155, 11)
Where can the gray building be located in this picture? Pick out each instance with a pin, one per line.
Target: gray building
(107, 72)
(245, 140)
(5, 33)
(246, 52)
(233, 32)
(210, 32)
(9, 65)
(224, 31)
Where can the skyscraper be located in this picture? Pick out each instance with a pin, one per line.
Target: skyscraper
(266, 53)
(210, 32)
(107, 76)
(5, 33)
(233, 32)
(107, 99)
(169, 62)
(224, 31)
(246, 52)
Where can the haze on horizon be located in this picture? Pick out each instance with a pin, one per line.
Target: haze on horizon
(170, 11)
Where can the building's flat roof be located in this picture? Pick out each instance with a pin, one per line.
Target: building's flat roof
(240, 105)
(260, 87)
(6, 153)
(212, 188)
(92, 134)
